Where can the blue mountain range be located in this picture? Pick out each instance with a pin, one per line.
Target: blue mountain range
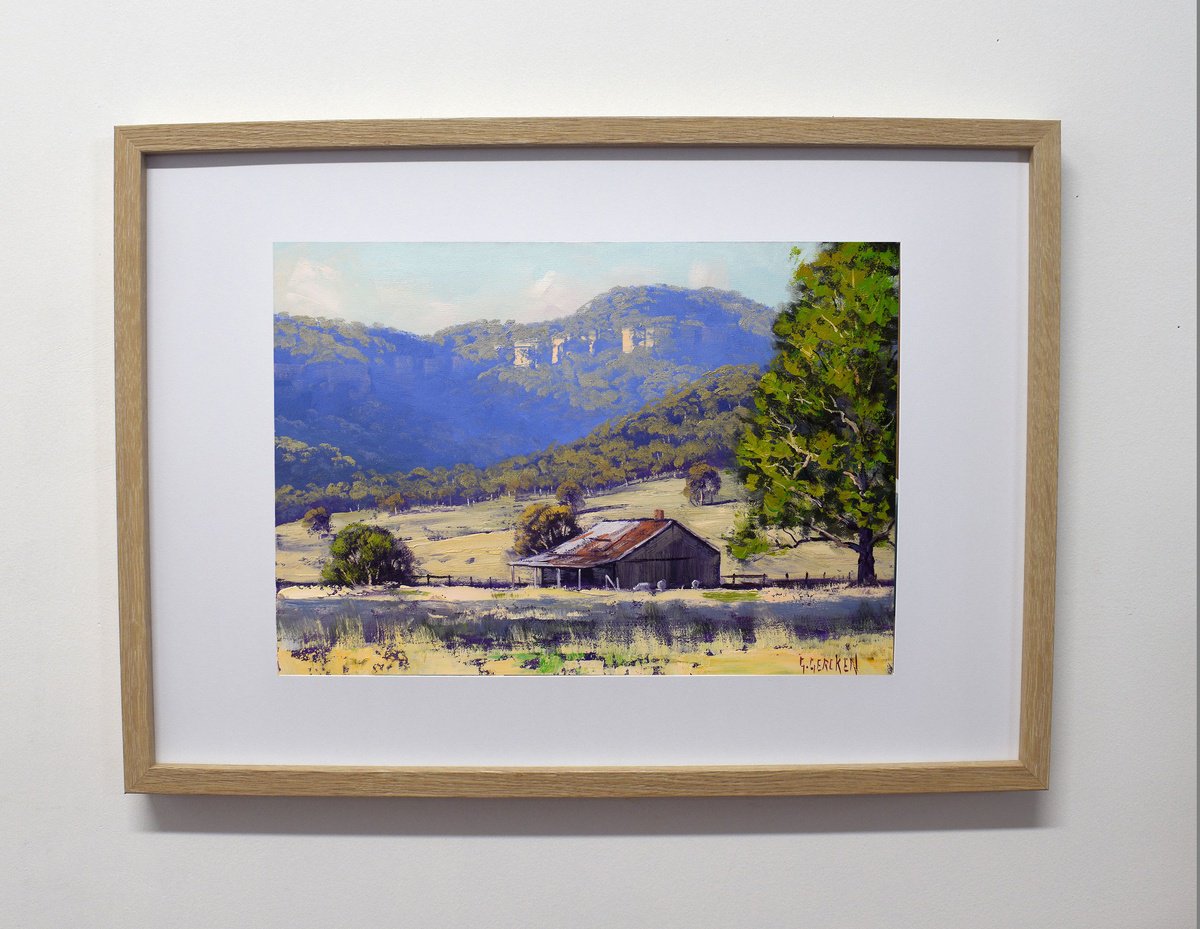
(480, 392)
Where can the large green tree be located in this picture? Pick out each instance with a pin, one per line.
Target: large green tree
(819, 454)
(363, 554)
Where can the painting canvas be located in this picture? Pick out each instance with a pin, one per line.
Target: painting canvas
(572, 458)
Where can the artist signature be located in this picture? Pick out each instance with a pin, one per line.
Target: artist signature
(836, 664)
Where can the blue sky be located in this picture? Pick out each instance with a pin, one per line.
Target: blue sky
(425, 286)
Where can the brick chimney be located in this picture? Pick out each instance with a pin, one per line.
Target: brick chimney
(658, 514)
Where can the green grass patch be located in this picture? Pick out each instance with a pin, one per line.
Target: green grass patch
(538, 662)
(549, 664)
(730, 596)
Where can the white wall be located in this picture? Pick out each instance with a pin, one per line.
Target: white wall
(1111, 844)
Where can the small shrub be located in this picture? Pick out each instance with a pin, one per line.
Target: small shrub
(316, 520)
(570, 494)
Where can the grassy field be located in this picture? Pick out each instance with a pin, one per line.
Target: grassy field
(475, 540)
(459, 630)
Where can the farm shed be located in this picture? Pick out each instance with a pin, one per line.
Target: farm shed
(622, 553)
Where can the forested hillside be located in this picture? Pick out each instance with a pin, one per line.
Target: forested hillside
(700, 422)
(481, 392)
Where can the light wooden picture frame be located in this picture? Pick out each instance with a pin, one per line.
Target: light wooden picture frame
(1036, 141)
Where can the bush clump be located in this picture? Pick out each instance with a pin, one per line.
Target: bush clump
(363, 555)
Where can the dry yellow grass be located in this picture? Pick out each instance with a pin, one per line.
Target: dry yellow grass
(843, 655)
(634, 649)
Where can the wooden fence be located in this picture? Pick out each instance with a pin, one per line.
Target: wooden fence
(429, 580)
(743, 581)
(461, 580)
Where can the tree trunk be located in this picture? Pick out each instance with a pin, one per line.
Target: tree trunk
(866, 557)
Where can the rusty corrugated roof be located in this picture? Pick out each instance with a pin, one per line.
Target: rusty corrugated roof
(605, 542)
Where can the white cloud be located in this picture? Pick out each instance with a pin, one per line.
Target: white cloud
(551, 295)
(311, 289)
(714, 273)
(424, 287)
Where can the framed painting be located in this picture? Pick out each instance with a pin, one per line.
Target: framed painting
(587, 457)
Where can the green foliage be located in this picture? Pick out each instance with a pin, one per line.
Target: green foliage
(362, 554)
(570, 494)
(697, 423)
(316, 520)
(542, 526)
(819, 456)
(296, 460)
(745, 541)
(703, 482)
(321, 340)
(550, 663)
